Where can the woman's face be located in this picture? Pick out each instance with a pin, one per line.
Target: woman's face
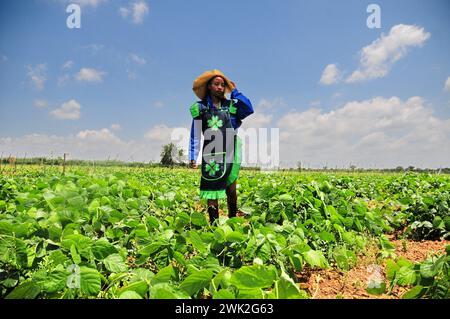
(217, 87)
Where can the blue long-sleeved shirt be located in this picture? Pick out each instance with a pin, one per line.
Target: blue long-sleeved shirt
(243, 109)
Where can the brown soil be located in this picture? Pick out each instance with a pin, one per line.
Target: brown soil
(334, 283)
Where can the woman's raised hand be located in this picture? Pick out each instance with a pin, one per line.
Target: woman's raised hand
(232, 85)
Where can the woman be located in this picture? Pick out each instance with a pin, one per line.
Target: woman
(218, 119)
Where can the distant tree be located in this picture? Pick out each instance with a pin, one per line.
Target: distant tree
(166, 154)
(171, 155)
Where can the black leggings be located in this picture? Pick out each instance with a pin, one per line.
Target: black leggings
(213, 204)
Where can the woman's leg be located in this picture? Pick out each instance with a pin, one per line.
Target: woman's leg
(232, 200)
(213, 210)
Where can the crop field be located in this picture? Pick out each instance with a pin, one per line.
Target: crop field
(144, 233)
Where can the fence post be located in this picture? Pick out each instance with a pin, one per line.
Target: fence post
(64, 164)
(15, 165)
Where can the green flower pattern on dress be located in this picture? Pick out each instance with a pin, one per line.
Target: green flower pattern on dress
(214, 123)
(211, 168)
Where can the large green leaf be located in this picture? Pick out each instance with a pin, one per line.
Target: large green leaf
(139, 287)
(13, 251)
(75, 256)
(115, 263)
(76, 202)
(198, 219)
(376, 287)
(57, 257)
(82, 243)
(250, 277)
(315, 258)
(130, 294)
(345, 259)
(391, 269)
(413, 293)
(152, 222)
(406, 276)
(224, 294)
(254, 293)
(222, 279)
(164, 275)
(286, 288)
(102, 248)
(196, 241)
(90, 282)
(142, 274)
(167, 291)
(52, 281)
(196, 281)
(285, 198)
(26, 290)
(429, 269)
(152, 248)
(236, 237)
(327, 236)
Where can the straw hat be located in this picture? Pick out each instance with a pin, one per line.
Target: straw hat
(199, 86)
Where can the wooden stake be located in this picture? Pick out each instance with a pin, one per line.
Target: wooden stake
(64, 164)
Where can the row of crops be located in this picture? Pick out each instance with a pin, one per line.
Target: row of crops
(142, 233)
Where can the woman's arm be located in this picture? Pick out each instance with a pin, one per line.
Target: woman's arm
(194, 141)
(243, 105)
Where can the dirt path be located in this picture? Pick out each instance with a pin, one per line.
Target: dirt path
(334, 283)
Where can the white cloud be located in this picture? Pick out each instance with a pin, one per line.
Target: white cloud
(264, 111)
(103, 135)
(115, 127)
(336, 95)
(257, 120)
(131, 75)
(447, 84)
(330, 75)
(37, 75)
(89, 75)
(62, 80)
(381, 132)
(68, 111)
(137, 11)
(40, 103)
(160, 133)
(124, 12)
(67, 65)
(137, 59)
(159, 104)
(140, 10)
(269, 105)
(4, 58)
(377, 58)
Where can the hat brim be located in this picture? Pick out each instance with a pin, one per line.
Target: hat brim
(199, 86)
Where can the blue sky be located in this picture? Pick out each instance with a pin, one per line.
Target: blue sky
(137, 78)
